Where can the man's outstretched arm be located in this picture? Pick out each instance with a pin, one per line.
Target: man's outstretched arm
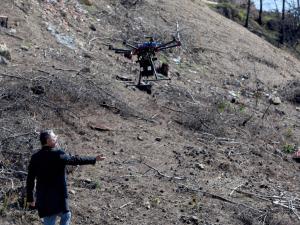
(80, 160)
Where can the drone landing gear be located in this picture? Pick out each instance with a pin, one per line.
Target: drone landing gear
(147, 70)
(145, 87)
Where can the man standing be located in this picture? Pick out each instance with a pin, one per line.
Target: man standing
(48, 168)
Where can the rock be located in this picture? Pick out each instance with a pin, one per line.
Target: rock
(87, 2)
(85, 70)
(13, 31)
(147, 204)
(4, 21)
(63, 13)
(38, 90)
(93, 27)
(25, 48)
(275, 100)
(63, 39)
(73, 192)
(298, 109)
(115, 153)
(140, 138)
(200, 166)
(190, 219)
(245, 76)
(99, 126)
(87, 55)
(3, 61)
(123, 78)
(194, 219)
(4, 51)
(158, 139)
(87, 180)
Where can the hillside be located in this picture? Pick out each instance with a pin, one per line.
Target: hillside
(207, 147)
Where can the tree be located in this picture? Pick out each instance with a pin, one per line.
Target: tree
(260, 12)
(248, 12)
(282, 23)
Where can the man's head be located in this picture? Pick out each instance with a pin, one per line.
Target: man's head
(48, 138)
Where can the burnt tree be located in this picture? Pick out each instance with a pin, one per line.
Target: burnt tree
(260, 12)
(248, 12)
(282, 32)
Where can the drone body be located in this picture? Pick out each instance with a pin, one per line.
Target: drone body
(146, 56)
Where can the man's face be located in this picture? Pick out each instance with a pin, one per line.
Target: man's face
(52, 140)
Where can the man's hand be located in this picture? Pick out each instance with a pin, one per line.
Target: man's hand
(100, 157)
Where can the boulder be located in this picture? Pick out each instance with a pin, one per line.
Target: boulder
(4, 21)
(4, 51)
(200, 166)
(87, 2)
(275, 100)
(3, 61)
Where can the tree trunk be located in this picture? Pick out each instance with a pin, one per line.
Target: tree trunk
(248, 12)
(260, 12)
(298, 9)
(282, 35)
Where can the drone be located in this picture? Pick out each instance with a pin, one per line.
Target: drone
(146, 57)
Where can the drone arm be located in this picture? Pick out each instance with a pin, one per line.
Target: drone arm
(178, 43)
(166, 44)
(119, 50)
(129, 45)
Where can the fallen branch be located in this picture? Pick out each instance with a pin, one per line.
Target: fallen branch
(18, 135)
(11, 171)
(69, 70)
(12, 35)
(12, 76)
(267, 109)
(128, 203)
(186, 113)
(215, 196)
(163, 175)
(234, 189)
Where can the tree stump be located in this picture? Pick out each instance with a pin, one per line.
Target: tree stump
(4, 21)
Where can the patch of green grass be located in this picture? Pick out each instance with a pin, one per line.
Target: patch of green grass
(163, 58)
(242, 108)
(230, 10)
(289, 148)
(97, 184)
(242, 15)
(4, 206)
(289, 132)
(222, 106)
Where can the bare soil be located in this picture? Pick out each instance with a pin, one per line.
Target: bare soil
(207, 147)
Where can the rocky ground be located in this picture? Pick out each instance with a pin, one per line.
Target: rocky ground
(211, 146)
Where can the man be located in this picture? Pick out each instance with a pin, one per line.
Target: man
(48, 168)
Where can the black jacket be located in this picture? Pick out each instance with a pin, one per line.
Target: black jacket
(48, 167)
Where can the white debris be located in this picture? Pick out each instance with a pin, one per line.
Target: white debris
(63, 39)
(177, 60)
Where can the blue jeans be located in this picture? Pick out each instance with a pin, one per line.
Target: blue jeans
(65, 219)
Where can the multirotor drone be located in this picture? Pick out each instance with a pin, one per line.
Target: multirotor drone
(146, 57)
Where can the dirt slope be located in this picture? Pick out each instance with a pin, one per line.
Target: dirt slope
(204, 148)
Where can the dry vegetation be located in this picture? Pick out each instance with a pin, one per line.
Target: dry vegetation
(206, 148)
